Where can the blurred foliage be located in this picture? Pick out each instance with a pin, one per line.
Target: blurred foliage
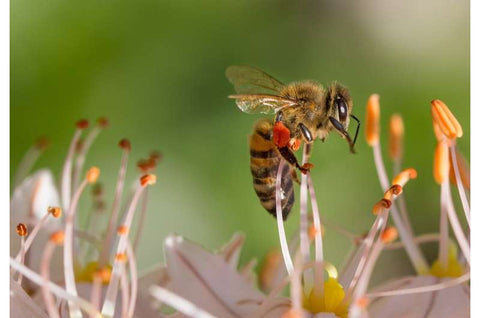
(156, 70)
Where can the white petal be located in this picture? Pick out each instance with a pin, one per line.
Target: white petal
(21, 305)
(207, 280)
(445, 303)
(34, 195)
(231, 251)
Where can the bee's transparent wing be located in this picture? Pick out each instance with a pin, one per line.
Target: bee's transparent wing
(261, 103)
(250, 80)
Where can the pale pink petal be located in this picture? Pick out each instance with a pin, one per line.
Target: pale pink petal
(445, 303)
(208, 281)
(231, 251)
(21, 305)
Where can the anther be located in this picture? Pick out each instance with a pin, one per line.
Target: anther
(55, 211)
(403, 177)
(148, 179)
(372, 124)
(22, 229)
(42, 143)
(446, 121)
(105, 274)
(121, 257)
(125, 144)
(146, 165)
(389, 235)
(381, 205)
(313, 231)
(122, 230)
(441, 164)
(396, 137)
(92, 174)
(393, 191)
(102, 122)
(82, 124)
(156, 156)
(57, 237)
(362, 302)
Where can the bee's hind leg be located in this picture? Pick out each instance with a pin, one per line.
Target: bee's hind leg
(288, 155)
(293, 172)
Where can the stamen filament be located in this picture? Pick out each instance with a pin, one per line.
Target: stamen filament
(281, 230)
(115, 208)
(45, 271)
(26, 164)
(461, 190)
(80, 160)
(133, 279)
(141, 221)
(55, 289)
(95, 295)
(443, 243)
(423, 289)
(304, 241)
(179, 303)
(22, 258)
(124, 289)
(318, 284)
(66, 187)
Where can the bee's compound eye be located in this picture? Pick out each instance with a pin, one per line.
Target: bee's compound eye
(342, 108)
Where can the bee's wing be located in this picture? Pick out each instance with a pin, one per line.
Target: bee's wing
(261, 103)
(250, 80)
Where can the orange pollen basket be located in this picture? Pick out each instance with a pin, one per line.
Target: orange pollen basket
(22, 229)
(281, 135)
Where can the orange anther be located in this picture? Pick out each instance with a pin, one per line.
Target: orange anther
(392, 192)
(42, 143)
(82, 124)
(125, 144)
(92, 174)
(372, 124)
(122, 230)
(57, 237)
(445, 120)
(102, 122)
(104, 274)
(363, 302)
(294, 144)
(148, 179)
(389, 235)
(55, 211)
(403, 177)
(396, 137)
(269, 270)
(22, 229)
(281, 135)
(441, 164)
(381, 205)
(121, 257)
(156, 156)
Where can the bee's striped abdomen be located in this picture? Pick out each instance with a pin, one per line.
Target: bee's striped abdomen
(264, 161)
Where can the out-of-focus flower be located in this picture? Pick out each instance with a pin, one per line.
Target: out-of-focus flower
(89, 275)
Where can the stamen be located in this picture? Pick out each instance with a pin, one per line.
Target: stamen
(55, 289)
(423, 289)
(133, 278)
(396, 140)
(31, 237)
(318, 282)
(179, 303)
(464, 170)
(124, 289)
(108, 308)
(29, 159)
(125, 145)
(441, 165)
(70, 285)
(66, 187)
(55, 211)
(281, 230)
(445, 120)
(55, 239)
(270, 267)
(141, 221)
(389, 235)
(304, 242)
(22, 231)
(461, 190)
(403, 177)
(102, 123)
(372, 124)
(96, 294)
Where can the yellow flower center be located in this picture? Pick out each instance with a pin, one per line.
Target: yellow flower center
(87, 273)
(330, 301)
(453, 269)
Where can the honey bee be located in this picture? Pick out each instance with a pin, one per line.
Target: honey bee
(304, 111)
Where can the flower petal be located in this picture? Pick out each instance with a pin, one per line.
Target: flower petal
(21, 305)
(207, 280)
(445, 303)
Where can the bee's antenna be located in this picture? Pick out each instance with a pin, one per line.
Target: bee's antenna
(358, 128)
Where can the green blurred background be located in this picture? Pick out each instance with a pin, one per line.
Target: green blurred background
(156, 70)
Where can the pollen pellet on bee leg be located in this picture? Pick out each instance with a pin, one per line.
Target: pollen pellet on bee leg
(281, 135)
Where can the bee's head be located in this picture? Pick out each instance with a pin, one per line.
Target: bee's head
(339, 103)
(339, 109)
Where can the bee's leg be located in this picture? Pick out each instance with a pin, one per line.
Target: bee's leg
(288, 155)
(339, 127)
(294, 176)
(305, 132)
